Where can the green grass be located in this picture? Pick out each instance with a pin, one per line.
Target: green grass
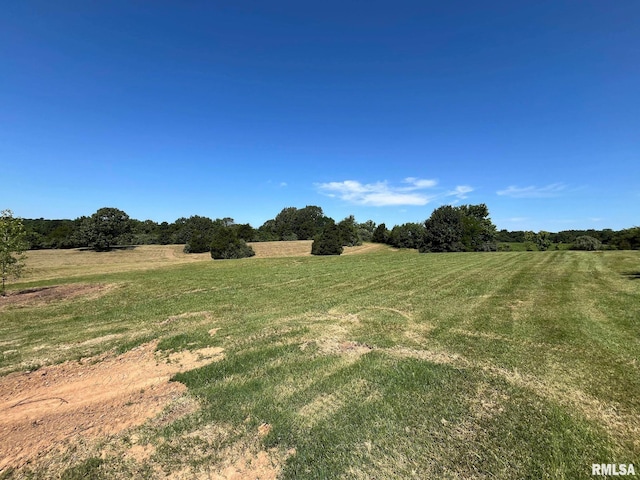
(379, 365)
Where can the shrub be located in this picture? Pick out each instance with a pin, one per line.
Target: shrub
(199, 242)
(328, 242)
(226, 245)
(586, 242)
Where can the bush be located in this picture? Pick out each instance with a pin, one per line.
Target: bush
(199, 242)
(328, 242)
(586, 242)
(226, 245)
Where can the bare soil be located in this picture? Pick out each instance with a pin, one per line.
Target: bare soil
(51, 408)
(44, 295)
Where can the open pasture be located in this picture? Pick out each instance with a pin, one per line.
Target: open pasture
(386, 364)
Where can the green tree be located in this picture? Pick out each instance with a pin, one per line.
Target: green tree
(466, 228)
(197, 232)
(529, 240)
(104, 229)
(366, 229)
(284, 224)
(328, 241)
(308, 222)
(294, 224)
(627, 239)
(444, 230)
(380, 234)
(543, 240)
(199, 242)
(478, 232)
(349, 235)
(407, 235)
(13, 244)
(227, 245)
(267, 232)
(164, 235)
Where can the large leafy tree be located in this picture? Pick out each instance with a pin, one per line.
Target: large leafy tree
(478, 232)
(407, 235)
(105, 229)
(308, 222)
(349, 234)
(196, 232)
(459, 229)
(443, 230)
(13, 244)
(293, 224)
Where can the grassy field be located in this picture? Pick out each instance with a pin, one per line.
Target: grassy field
(386, 364)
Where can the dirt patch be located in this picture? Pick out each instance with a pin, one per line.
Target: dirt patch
(245, 459)
(264, 465)
(54, 406)
(44, 295)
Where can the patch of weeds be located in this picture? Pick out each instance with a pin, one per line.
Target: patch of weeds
(89, 469)
(186, 341)
(131, 344)
(32, 367)
(7, 474)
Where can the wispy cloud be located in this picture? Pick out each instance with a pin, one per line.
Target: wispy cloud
(412, 191)
(460, 191)
(552, 190)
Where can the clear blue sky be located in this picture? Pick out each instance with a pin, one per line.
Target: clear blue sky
(384, 110)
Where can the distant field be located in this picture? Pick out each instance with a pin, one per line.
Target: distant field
(48, 264)
(386, 364)
(302, 248)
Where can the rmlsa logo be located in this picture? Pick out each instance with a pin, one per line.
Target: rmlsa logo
(613, 469)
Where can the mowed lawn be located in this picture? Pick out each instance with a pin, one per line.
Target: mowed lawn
(384, 364)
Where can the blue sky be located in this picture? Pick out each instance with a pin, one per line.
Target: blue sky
(383, 110)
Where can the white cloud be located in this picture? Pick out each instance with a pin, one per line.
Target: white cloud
(551, 190)
(418, 183)
(412, 191)
(380, 194)
(460, 191)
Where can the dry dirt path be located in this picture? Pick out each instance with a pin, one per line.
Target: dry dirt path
(49, 408)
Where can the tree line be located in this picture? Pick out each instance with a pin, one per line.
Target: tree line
(449, 228)
(464, 228)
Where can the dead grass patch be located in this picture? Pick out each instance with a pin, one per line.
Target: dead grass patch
(245, 459)
(48, 264)
(295, 248)
(206, 316)
(435, 356)
(325, 405)
(263, 465)
(302, 248)
(337, 346)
